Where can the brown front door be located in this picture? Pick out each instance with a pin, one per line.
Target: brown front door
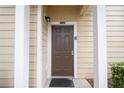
(62, 51)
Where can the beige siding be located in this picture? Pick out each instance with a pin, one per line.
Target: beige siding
(33, 46)
(33, 50)
(85, 45)
(45, 47)
(115, 40)
(7, 25)
(7, 32)
(115, 33)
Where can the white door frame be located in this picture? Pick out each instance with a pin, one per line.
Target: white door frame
(50, 45)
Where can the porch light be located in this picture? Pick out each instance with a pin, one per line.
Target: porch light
(47, 18)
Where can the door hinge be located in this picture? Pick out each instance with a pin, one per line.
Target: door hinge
(75, 38)
(72, 52)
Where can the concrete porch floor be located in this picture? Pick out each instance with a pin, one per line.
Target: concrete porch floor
(78, 83)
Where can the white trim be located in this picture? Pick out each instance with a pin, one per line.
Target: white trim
(21, 75)
(75, 51)
(49, 50)
(100, 46)
(39, 47)
(50, 45)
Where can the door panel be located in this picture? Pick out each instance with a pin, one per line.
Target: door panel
(62, 46)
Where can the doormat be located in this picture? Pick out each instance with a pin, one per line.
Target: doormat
(61, 82)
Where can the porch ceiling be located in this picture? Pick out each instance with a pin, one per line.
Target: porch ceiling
(65, 12)
(81, 8)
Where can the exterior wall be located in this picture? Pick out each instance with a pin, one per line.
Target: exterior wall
(33, 46)
(84, 35)
(115, 35)
(45, 47)
(115, 40)
(85, 45)
(7, 35)
(7, 31)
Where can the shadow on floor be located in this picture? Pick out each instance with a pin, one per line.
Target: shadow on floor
(109, 82)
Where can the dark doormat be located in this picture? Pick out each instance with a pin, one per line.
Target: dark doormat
(61, 82)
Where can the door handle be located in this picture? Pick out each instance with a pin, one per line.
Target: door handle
(72, 52)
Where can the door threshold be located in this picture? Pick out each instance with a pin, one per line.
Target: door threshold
(70, 77)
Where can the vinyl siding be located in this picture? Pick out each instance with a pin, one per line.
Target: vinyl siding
(7, 32)
(45, 47)
(33, 46)
(115, 33)
(115, 40)
(85, 45)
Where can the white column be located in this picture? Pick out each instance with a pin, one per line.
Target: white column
(100, 46)
(39, 47)
(21, 75)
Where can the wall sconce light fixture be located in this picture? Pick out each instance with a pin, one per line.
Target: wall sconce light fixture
(47, 18)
